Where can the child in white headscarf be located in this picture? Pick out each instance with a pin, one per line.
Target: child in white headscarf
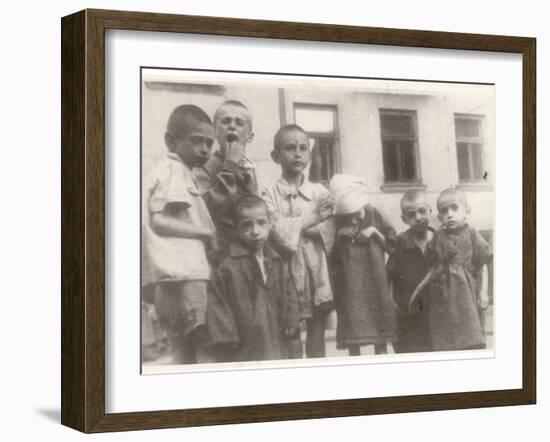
(365, 310)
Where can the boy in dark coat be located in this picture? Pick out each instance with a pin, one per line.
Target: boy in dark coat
(252, 306)
(407, 267)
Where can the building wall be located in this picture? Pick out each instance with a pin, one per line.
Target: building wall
(360, 147)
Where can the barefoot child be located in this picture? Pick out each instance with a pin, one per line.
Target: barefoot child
(176, 228)
(298, 208)
(365, 310)
(252, 306)
(457, 279)
(407, 266)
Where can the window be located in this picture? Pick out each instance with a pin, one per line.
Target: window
(469, 147)
(320, 122)
(398, 129)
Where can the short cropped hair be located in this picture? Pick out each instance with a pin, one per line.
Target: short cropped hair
(410, 196)
(247, 202)
(282, 131)
(236, 103)
(184, 118)
(452, 192)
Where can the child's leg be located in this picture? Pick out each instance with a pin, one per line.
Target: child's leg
(181, 308)
(380, 349)
(354, 350)
(315, 334)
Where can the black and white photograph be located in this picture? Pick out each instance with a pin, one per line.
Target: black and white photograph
(293, 219)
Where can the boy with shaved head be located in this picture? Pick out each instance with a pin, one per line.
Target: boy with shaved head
(229, 173)
(176, 230)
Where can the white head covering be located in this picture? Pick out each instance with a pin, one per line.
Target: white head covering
(348, 193)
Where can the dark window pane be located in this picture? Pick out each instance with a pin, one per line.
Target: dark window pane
(467, 127)
(463, 161)
(391, 163)
(397, 125)
(477, 161)
(408, 161)
(322, 167)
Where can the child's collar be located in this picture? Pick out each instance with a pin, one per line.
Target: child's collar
(305, 189)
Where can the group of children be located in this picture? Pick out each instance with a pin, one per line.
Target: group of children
(235, 274)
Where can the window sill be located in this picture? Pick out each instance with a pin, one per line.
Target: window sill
(475, 186)
(402, 187)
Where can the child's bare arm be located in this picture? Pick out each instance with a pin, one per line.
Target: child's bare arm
(390, 286)
(163, 224)
(419, 289)
(484, 288)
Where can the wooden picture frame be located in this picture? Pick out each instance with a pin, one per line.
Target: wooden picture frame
(83, 219)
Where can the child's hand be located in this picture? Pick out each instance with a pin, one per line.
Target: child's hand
(325, 211)
(209, 234)
(234, 152)
(395, 306)
(483, 301)
(365, 234)
(292, 332)
(348, 232)
(413, 304)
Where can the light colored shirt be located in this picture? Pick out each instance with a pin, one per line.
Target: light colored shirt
(288, 206)
(168, 258)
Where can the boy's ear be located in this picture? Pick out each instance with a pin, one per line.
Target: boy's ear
(250, 137)
(275, 156)
(439, 217)
(170, 140)
(404, 219)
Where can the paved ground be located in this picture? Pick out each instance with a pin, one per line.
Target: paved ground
(165, 359)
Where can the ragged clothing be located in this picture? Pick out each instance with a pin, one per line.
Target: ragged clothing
(222, 183)
(171, 186)
(308, 264)
(407, 266)
(458, 257)
(247, 315)
(364, 308)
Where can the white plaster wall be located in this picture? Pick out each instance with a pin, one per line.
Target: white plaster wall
(359, 134)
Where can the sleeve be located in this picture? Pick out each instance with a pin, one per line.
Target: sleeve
(434, 259)
(431, 253)
(227, 186)
(286, 231)
(292, 311)
(220, 321)
(168, 187)
(483, 252)
(386, 229)
(327, 229)
(392, 264)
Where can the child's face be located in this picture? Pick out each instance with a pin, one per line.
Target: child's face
(253, 227)
(452, 212)
(416, 214)
(195, 145)
(353, 219)
(233, 123)
(293, 152)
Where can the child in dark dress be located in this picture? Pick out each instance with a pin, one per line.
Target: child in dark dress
(252, 306)
(364, 308)
(458, 276)
(407, 266)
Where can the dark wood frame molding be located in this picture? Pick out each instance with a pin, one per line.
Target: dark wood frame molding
(83, 216)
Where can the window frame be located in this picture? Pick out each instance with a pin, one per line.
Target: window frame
(470, 141)
(400, 184)
(333, 135)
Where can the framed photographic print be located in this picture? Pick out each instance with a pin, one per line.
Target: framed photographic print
(270, 220)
